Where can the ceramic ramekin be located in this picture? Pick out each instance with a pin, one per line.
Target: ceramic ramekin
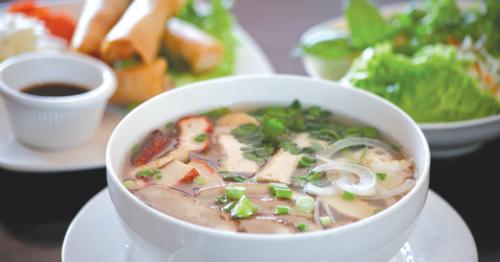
(55, 122)
(374, 239)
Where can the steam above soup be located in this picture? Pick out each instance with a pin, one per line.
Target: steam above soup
(269, 170)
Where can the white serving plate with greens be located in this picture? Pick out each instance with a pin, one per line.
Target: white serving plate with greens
(445, 139)
(15, 156)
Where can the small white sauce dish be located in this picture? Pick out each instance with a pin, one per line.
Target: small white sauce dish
(53, 123)
(165, 238)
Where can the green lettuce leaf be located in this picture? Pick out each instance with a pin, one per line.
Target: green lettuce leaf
(367, 25)
(218, 22)
(431, 86)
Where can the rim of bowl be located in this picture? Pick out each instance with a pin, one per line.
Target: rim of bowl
(422, 176)
(104, 90)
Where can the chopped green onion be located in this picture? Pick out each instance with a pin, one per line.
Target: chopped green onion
(302, 227)
(200, 180)
(229, 176)
(201, 138)
(326, 221)
(348, 196)
(306, 162)
(273, 128)
(169, 125)
(135, 149)
(244, 208)
(149, 172)
(281, 191)
(381, 176)
(304, 204)
(235, 192)
(222, 199)
(309, 177)
(281, 210)
(129, 184)
(311, 149)
(229, 206)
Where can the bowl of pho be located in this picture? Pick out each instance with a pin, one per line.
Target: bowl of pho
(262, 168)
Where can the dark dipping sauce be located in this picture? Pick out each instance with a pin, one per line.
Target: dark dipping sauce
(55, 89)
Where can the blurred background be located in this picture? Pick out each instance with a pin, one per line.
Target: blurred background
(36, 209)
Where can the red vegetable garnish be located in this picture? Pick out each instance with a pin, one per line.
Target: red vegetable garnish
(154, 145)
(59, 24)
(188, 178)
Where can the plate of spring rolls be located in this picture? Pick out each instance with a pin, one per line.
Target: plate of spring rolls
(152, 46)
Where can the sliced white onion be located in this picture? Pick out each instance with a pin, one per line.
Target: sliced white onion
(404, 187)
(316, 213)
(320, 191)
(356, 141)
(329, 211)
(367, 178)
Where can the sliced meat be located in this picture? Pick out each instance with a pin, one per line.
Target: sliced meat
(154, 144)
(356, 208)
(396, 170)
(191, 127)
(207, 172)
(236, 119)
(283, 164)
(266, 225)
(296, 220)
(187, 44)
(184, 207)
(176, 172)
(251, 190)
(188, 128)
(232, 156)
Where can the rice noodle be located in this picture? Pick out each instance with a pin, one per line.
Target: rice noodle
(367, 178)
(404, 187)
(356, 141)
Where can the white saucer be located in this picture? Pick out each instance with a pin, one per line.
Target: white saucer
(95, 234)
(15, 156)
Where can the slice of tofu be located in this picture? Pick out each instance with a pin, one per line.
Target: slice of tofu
(174, 172)
(232, 156)
(207, 172)
(190, 45)
(283, 164)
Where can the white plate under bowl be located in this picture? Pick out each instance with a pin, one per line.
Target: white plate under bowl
(445, 139)
(95, 234)
(17, 157)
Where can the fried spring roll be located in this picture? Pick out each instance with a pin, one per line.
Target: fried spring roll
(141, 82)
(138, 33)
(189, 45)
(97, 18)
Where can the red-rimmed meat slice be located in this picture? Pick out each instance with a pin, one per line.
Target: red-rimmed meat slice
(155, 144)
(191, 129)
